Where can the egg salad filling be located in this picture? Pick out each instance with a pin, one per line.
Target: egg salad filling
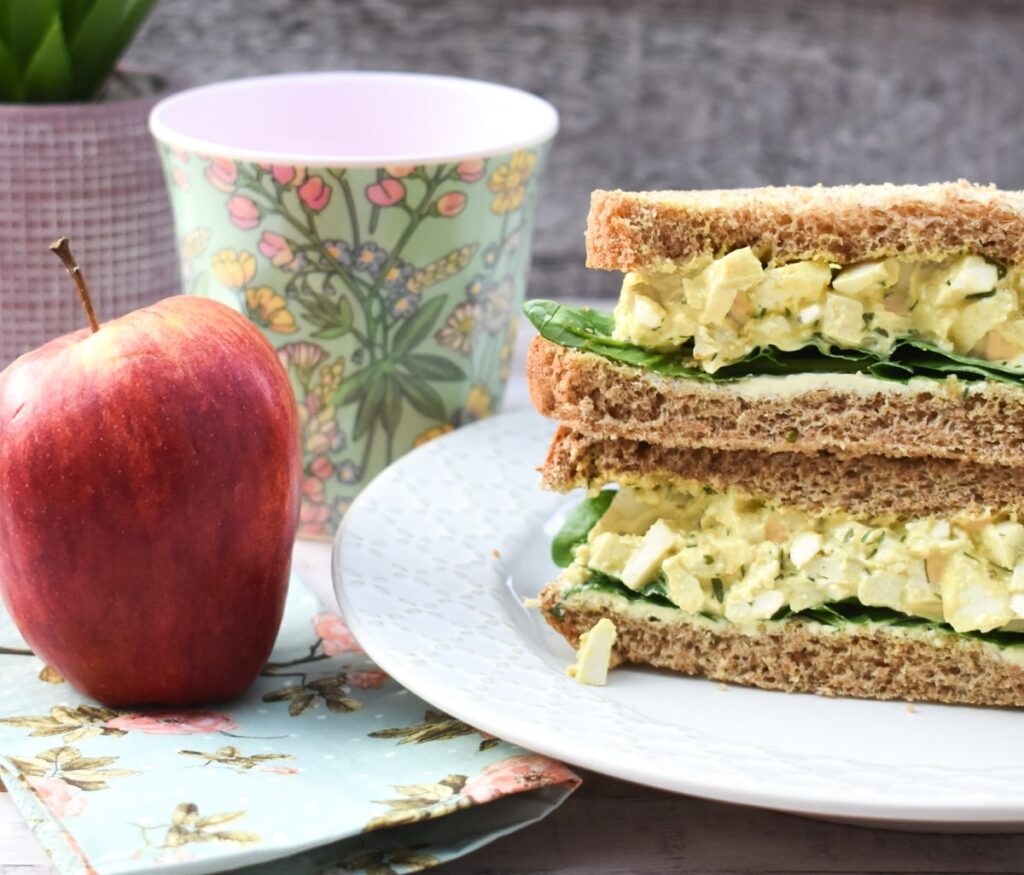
(729, 306)
(728, 556)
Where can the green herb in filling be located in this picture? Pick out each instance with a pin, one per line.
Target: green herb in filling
(591, 331)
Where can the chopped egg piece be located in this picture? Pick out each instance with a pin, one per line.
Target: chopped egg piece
(645, 563)
(726, 554)
(867, 275)
(842, 319)
(721, 309)
(594, 655)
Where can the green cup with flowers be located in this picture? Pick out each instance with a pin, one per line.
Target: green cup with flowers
(377, 227)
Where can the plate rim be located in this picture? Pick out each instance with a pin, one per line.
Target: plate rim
(876, 812)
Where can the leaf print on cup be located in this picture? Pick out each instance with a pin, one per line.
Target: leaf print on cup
(244, 212)
(516, 775)
(60, 797)
(314, 194)
(222, 174)
(234, 268)
(508, 182)
(174, 723)
(385, 193)
(268, 309)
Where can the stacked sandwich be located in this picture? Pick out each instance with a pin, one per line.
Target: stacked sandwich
(802, 436)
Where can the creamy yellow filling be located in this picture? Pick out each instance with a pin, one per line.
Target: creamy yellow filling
(731, 305)
(729, 555)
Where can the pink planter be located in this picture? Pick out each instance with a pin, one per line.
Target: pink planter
(89, 172)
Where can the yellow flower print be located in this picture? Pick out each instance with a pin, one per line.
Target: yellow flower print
(235, 269)
(194, 243)
(268, 309)
(457, 332)
(330, 380)
(508, 182)
(478, 402)
(433, 432)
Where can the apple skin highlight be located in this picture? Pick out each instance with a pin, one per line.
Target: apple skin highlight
(149, 498)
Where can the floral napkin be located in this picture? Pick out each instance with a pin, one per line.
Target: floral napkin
(325, 765)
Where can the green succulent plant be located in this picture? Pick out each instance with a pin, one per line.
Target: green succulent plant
(55, 51)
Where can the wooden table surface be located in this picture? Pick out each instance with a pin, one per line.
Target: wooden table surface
(610, 827)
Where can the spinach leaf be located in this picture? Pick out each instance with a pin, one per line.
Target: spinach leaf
(591, 331)
(577, 526)
(834, 614)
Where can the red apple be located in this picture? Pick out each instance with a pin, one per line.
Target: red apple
(149, 496)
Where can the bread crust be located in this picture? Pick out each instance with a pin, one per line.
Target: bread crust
(605, 399)
(866, 662)
(642, 231)
(864, 486)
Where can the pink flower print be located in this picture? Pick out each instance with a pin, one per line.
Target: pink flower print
(515, 775)
(285, 174)
(313, 489)
(385, 193)
(180, 154)
(321, 467)
(313, 520)
(276, 248)
(244, 212)
(180, 178)
(471, 169)
(399, 171)
(222, 174)
(174, 723)
(280, 770)
(367, 680)
(450, 204)
(335, 634)
(60, 797)
(315, 194)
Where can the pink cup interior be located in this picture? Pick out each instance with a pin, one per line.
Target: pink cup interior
(353, 119)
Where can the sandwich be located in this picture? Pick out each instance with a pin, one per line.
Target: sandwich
(801, 436)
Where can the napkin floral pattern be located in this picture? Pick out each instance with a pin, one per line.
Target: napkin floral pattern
(326, 761)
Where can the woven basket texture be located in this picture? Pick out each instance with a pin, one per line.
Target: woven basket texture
(89, 172)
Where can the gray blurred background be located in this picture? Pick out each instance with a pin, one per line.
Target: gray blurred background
(655, 94)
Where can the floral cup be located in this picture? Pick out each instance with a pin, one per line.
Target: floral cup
(377, 227)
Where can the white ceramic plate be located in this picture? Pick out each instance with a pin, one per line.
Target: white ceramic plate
(431, 566)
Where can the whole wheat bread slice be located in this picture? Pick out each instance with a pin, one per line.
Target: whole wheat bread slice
(925, 418)
(642, 231)
(864, 661)
(865, 486)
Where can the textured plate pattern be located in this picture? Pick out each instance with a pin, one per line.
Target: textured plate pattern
(426, 567)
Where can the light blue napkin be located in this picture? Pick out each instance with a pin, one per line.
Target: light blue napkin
(325, 761)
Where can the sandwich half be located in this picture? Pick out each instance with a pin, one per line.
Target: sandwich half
(802, 435)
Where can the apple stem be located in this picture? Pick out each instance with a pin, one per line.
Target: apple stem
(62, 247)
